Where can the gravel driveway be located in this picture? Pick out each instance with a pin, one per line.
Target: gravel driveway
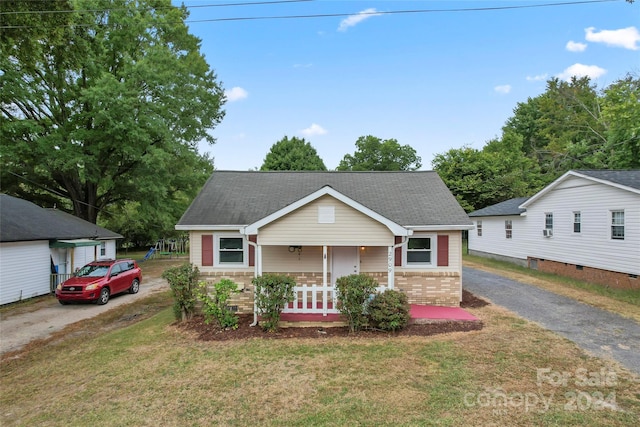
(18, 330)
(599, 332)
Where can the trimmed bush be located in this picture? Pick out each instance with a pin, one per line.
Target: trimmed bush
(273, 293)
(215, 303)
(354, 292)
(183, 281)
(389, 311)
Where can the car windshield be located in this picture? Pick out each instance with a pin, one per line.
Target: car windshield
(93, 271)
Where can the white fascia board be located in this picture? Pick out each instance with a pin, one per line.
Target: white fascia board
(555, 183)
(396, 229)
(440, 227)
(209, 227)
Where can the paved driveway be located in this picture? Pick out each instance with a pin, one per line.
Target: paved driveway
(600, 332)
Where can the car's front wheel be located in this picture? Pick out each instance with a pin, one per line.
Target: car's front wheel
(104, 297)
(63, 302)
(135, 286)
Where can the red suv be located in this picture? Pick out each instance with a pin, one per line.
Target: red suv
(98, 280)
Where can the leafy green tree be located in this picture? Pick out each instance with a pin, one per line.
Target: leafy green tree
(479, 178)
(375, 154)
(293, 154)
(621, 114)
(104, 106)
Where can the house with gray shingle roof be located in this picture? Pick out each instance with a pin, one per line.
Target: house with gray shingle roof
(403, 228)
(585, 224)
(36, 242)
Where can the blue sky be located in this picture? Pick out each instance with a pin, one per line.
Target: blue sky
(434, 81)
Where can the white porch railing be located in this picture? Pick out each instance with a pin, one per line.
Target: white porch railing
(316, 299)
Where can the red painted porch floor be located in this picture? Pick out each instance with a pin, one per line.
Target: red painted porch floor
(419, 314)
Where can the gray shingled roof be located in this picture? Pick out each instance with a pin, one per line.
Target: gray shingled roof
(628, 178)
(21, 220)
(406, 198)
(508, 207)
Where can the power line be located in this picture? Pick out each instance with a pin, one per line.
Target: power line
(255, 3)
(337, 15)
(397, 12)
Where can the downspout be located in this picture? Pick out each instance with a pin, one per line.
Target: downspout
(258, 260)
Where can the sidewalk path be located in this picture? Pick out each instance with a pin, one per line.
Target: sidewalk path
(602, 333)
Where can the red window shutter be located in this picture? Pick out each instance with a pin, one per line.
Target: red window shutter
(443, 251)
(398, 253)
(252, 251)
(207, 250)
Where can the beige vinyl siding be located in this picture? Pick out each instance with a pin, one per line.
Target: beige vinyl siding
(278, 258)
(195, 253)
(373, 259)
(455, 254)
(351, 228)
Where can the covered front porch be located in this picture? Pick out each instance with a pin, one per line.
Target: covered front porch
(316, 269)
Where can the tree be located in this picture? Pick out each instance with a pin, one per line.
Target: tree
(621, 114)
(292, 155)
(104, 106)
(498, 172)
(375, 154)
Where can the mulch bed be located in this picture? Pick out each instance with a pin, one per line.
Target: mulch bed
(203, 332)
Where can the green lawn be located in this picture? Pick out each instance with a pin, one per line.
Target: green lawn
(149, 373)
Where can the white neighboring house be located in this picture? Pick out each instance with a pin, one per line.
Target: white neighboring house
(586, 224)
(37, 242)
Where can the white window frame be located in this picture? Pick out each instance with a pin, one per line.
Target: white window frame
(479, 227)
(216, 250)
(613, 224)
(434, 251)
(508, 229)
(577, 215)
(547, 216)
(103, 249)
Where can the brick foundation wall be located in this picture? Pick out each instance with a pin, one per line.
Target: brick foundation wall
(421, 287)
(430, 288)
(588, 274)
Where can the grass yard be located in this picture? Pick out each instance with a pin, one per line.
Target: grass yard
(149, 373)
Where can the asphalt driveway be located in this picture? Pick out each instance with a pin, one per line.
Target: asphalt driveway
(599, 332)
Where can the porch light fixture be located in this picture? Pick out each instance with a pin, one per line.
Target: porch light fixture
(295, 248)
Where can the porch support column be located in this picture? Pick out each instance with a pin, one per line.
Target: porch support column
(325, 301)
(391, 258)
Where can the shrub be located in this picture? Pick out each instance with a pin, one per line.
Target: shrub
(389, 311)
(215, 303)
(273, 293)
(183, 281)
(354, 292)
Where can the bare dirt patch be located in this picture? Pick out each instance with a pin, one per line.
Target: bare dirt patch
(197, 328)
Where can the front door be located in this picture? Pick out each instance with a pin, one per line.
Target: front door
(344, 261)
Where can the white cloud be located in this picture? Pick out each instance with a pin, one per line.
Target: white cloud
(357, 18)
(581, 70)
(313, 130)
(235, 94)
(627, 38)
(575, 46)
(503, 89)
(538, 78)
(309, 65)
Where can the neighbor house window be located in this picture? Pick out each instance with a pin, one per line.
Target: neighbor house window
(548, 221)
(103, 249)
(617, 225)
(479, 228)
(508, 229)
(420, 251)
(577, 222)
(230, 250)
